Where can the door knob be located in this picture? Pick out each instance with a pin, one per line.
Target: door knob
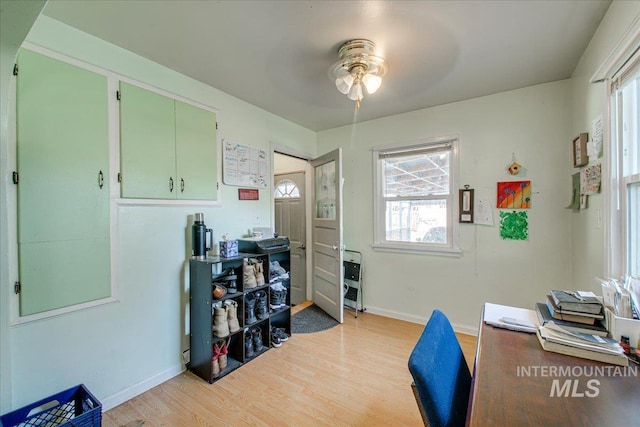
(303, 247)
(334, 247)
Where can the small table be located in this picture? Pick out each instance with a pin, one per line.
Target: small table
(516, 382)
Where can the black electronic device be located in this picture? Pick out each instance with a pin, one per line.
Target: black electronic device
(264, 246)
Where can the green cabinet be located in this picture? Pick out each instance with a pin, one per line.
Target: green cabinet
(63, 190)
(167, 147)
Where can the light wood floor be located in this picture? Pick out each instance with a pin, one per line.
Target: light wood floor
(354, 374)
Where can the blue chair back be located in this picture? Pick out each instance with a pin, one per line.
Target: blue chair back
(440, 374)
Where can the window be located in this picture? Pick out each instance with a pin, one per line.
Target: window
(414, 197)
(624, 209)
(286, 189)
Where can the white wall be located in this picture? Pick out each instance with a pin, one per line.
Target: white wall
(15, 21)
(120, 349)
(589, 101)
(534, 124)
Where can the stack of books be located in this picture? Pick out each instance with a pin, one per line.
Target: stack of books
(593, 347)
(574, 311)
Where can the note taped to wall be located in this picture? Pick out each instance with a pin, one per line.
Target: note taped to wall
(244, 166)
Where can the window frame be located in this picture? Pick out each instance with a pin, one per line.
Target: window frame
(380, 243)
(616, 204)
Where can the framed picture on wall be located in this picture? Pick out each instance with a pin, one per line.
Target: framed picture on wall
(580, 157)
(466, 204)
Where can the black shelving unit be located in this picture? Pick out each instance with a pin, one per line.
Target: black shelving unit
(202, 276)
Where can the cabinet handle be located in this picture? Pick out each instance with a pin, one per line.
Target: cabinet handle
(182, 185)
(100, 180)
(170, 185)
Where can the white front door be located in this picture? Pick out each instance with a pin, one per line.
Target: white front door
(327, 233)
(290, 221)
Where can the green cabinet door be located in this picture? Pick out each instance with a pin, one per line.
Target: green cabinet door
(147, 144)
(63, 192)
(195, 152)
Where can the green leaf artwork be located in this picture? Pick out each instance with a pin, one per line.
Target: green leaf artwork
(514, 225)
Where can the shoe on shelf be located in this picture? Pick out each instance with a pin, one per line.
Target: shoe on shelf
(259, 271)
(256, 335)
(219, 290)
(224, 349)
(250, 308)
(215, 361)
(248, 345)
(275, 341)
(262, 311)
(232, 315)
(220, 320)
(281, 334)
(230, 279)
(248, 274)
(275, 269)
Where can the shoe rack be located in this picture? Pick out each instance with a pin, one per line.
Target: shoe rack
(205, 344)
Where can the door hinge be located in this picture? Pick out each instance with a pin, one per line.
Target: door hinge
(217, 185)
(216, 125)
(119, 177)
(15, 69)
(16, 177)
(118, 95)
(17, 287)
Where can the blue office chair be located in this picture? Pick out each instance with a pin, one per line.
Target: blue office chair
(441, 378)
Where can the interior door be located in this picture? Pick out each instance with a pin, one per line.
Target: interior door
(327, 233)
(290, 221)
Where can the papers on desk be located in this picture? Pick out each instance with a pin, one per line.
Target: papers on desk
(513, 318)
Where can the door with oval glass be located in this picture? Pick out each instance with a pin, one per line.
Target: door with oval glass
(290, 221)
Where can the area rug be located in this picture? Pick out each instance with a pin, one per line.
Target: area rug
(311, 319)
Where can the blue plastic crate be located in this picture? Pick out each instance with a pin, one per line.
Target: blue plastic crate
(74, 407)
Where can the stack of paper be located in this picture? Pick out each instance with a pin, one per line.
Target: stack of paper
(507, 317)
(593, 347)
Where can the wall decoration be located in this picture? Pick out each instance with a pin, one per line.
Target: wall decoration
(483, 214)
(248, 194)
(590, 179)
(514, 225)
(579, 145)
(244, 166)
(514, 195)
(514, 168)
(466, 204)
(594, 147)
(575, 198)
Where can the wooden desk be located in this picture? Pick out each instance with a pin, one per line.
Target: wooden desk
(502, 394)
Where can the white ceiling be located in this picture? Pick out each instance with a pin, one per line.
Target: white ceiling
(275, 54)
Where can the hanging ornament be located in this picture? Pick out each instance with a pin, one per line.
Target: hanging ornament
(514, 167)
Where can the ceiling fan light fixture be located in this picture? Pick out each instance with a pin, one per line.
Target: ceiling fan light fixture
(371, 82)
(355, 93)
(343, 83)
(358, 66)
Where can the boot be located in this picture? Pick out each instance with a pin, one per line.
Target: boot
(220, 322)
(248, 345)
(256, 335)
(222, 359)
(262, 312)
(248, 275)
(232, 315)
(249, 309)
(257, 264)
(230, 280)
(215, 362)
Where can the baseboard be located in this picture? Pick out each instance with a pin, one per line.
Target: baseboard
(137, 389)
(463, 329)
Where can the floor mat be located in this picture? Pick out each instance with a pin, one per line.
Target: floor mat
(311, 319)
